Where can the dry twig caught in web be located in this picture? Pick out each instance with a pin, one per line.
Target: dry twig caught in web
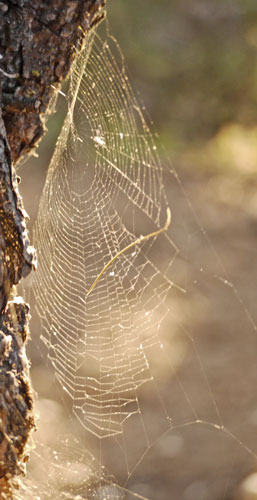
(138, 241)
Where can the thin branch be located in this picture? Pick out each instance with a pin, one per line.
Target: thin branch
(138, 241)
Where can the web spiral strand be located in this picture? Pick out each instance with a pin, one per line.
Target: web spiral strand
(104, 187)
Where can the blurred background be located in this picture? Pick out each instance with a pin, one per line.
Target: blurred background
(194, 65)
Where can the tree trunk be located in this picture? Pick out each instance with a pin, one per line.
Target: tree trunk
(39, 39)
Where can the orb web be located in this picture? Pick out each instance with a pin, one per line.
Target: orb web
(104, 189)
(170, 397)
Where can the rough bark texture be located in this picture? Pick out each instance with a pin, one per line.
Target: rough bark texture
(16, 403)
(39, 40)
(17, 258)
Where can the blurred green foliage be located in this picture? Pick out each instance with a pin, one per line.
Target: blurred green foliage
(194, 63)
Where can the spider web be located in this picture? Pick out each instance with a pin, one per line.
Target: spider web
(104, 189)
(115, 351)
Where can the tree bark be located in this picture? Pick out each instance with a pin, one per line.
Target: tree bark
(39, 40)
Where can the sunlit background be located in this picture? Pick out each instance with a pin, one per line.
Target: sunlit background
(194, 65)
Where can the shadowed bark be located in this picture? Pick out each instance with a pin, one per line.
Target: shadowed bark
(38, 42)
